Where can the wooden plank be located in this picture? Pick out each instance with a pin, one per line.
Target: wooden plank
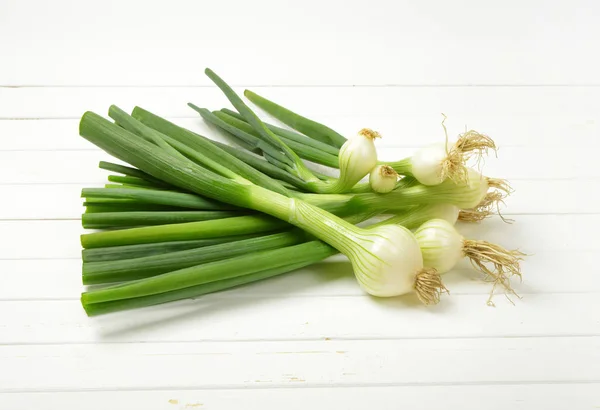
(543, 272)
(493, 110)
(349, 43)
(268, 344)
(566, 233)
(302, 318)
(307, 364)
(410, 130)
(548, 396)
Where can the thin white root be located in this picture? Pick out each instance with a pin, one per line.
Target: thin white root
(429, 286)
(501, 190)
(473, 215)
(473, 143)
(496, 263)
(501, 185)
(489, 206)
(470, 144)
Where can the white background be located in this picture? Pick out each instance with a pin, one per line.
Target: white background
(524, 72)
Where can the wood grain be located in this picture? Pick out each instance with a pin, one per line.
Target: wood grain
(524, 73)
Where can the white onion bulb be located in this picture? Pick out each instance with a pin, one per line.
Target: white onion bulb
(383, 179)
(357, 157)
(427, 163)
(441, 245)
(386, 259)
(389, 262)
(433, 164)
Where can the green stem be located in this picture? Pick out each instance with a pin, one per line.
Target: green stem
(412, 193)
(264, 133)
(402, 167)
(193, 291)
(290, 135)
(308, 152)
(128, 171)
(207, 148)
(302, 124)
(133, 181)
(244, 136)
(329, 228)
(131, 185)
(264, 166)
(211, 158)
(132, 269)
(131, 124)
(113, 253)
(209, 272)
(155, 197)
(146, 218)
(184, 231)
(132, 207)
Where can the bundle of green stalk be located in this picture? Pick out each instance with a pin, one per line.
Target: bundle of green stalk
(189, 216)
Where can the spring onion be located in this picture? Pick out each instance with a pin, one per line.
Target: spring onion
(430, 165)
(313, 250)
(386, 260)
(190, 216)
(442, 247)
(433, 164)
(357, 158)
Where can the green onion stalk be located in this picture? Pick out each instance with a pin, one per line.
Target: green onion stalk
(103, 220)
(430, 165)
(113, 253)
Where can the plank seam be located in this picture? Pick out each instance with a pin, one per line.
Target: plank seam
(292, 385)
(307, 340)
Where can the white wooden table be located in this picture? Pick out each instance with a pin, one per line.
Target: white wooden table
(526, 73)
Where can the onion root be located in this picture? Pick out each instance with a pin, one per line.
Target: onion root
(497, 263)
(429, 286)
(470, 144)
(369, 133)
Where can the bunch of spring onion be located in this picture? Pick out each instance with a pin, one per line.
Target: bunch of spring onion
(189, 216)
